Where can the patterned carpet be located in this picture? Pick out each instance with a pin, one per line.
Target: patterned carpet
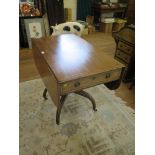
(109, 131)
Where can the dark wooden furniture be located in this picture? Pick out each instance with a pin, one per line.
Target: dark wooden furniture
(125, 51)
(118, 10)
(130, 13)
(68, 63)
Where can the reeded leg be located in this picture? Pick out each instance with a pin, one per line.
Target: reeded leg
(62, 100)
(85, 94)
(44, 94)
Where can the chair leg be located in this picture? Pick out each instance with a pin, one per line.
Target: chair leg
(62, 100)
(85, 94)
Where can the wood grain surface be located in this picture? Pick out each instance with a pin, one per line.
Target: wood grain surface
(71, 57)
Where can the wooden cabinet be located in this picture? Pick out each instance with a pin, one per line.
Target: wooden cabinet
(125, 51)
(130, 13)
(118, 9)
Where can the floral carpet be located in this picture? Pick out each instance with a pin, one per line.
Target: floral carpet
(108, 131)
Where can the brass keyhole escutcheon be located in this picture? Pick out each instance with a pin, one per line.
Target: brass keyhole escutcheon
(107, 76)
(93, 78)
(76, 84)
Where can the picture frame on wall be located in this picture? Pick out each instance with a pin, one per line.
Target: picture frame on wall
(34, 29)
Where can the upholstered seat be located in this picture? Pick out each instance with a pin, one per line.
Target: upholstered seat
(68, 27)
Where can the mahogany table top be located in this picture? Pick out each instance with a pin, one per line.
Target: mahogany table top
(71, 57)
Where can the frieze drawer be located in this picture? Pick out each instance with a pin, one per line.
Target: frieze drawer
(90, 81)
(128, 49)
(123, 56)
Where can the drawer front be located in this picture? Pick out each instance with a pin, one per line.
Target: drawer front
(120, 60)
(123, 56)
(90, 81)
(128, 49)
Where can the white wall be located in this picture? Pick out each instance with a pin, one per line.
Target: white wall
(73, 5)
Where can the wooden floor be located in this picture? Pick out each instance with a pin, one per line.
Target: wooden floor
(28, 71)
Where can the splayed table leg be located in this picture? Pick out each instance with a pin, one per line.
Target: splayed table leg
(45, 93)
(85, 94)
(62, 100)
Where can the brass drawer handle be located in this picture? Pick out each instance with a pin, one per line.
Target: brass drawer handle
(76, 84)
(93, 78)
(107, 75)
